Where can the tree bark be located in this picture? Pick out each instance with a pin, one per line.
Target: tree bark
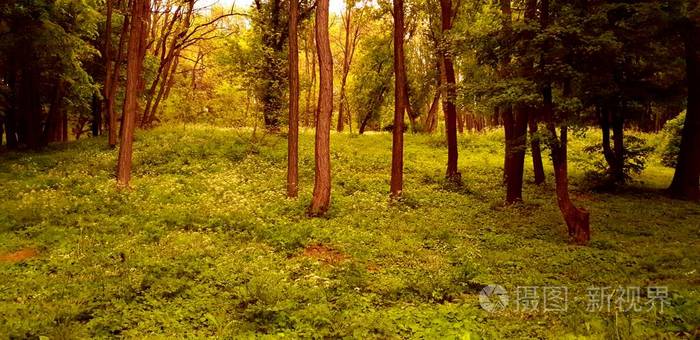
(431, 118)
(139, 11)
(536, 150)
(452, 174)
(96, 122)
(111, 114)
(321, 199)
(399, 102)
(54, 121)
(30, 106)
(293, 133)
(107, 55)
(614, 155)
(687, 174)
(516, 137)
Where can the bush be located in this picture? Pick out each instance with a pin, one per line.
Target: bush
(636, 152)
(672, 133)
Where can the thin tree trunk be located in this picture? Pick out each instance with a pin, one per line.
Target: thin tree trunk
(321, 199)
(536, 150)
(96, 121)
(399, 102)
(347, 20)
(112, 114)
(107, 55)
(293, 133)
(452, 174)
(687, 175)
(139, 11)
(11, 112)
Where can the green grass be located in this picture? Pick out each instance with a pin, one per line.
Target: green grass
(206, 244)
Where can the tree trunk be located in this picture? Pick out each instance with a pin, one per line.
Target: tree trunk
(399, 102)
(577, 219)
(452, 174)
(54, 121)
(111, 113)
(30, 107)
(96, 122)
(687, 175)
(293, 133)
(431, 118)
(107, 55)
(614, 155)
(347, 20)
(536, 150)
(321, 199)
(139, 10)
(516, 137)
(11, 112)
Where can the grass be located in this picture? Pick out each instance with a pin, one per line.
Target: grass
(206, 244)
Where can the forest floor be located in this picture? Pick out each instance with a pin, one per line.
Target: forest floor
(206, 244)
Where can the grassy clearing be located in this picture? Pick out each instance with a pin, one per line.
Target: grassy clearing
(207, 245)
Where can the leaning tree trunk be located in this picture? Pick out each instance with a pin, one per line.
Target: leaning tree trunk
(321, 199)
(111, 114)
(399, 102)
(452, 174)
(293, 133)
(577, 219)
(134, 64)
(687, 175)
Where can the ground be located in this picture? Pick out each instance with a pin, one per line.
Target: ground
(206, 244)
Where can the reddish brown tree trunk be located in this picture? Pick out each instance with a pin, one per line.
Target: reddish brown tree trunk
(321, 199)
(293, 133)
(687, 175)
(112, 115)
(139, 11)
(452, 174)
(399, 102)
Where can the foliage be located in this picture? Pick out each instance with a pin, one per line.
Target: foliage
(635, 153)
(672, 133)
(206, 246)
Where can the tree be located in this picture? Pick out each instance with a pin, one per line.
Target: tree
(446, 15)
(577, 219)
(399, 102)
(687, 175)
(293, 133)
(321, 199)
(137, 34)
(352, 35)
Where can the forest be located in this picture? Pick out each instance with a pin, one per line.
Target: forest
(472, 169)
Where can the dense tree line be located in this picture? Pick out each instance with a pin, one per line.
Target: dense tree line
(537, 68)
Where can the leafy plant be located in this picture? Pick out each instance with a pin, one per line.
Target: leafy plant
(636, 152)
(672, 133)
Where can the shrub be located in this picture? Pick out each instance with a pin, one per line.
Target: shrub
(672, 134)
(636, 152)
